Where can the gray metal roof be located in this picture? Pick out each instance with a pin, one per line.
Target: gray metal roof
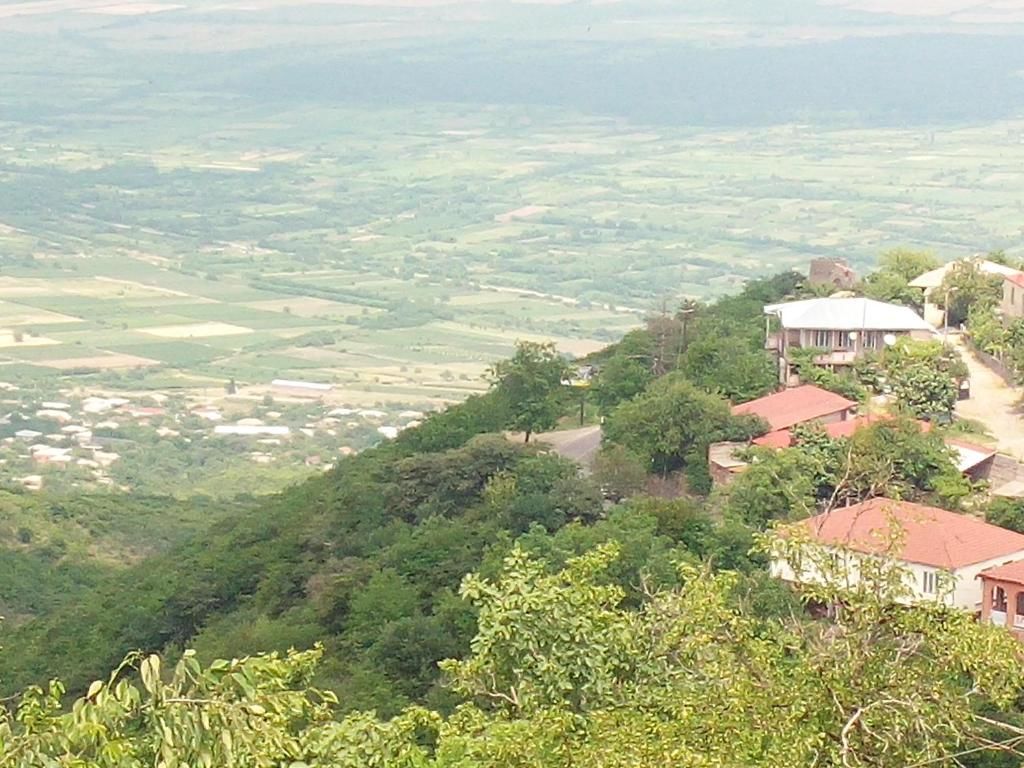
(847, 314)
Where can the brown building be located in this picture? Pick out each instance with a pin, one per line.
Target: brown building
(833, 273)
(1002, 603)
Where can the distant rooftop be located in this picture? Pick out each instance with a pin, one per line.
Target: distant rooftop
(934, 278)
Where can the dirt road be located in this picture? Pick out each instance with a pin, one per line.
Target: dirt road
(580, 445)
(994, 404)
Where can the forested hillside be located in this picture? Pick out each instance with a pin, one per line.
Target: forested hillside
(55, 546)
(624, 617)
(368, 558)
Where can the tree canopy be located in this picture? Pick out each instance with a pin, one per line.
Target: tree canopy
(895, 269)
(674, 421)
(528, 383)
(923, 376)
(563, 672)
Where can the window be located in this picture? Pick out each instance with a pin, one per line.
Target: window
(928, 582)
(998, 599)
(822, 339)
(1013, 295)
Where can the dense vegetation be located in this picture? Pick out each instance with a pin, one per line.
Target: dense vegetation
(564, 671)
(602, 609)
(368, 557)
(54, 547)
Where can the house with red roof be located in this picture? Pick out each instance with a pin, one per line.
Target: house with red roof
(943, 553)
(798, 405)
(1002, 596)
(781, 411)
(783, 438)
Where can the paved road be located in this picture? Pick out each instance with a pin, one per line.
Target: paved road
(995, 404)
(580, 445)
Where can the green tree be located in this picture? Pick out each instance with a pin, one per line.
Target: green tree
(673, 423)
(923, 376)
(924, 392)
(907, 263)
(896, 269)
(530, 382)
(966, 286)
(778, 485)
(619, 379)
(736, 372)
(618, 472)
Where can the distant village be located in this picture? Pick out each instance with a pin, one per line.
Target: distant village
(84, 439)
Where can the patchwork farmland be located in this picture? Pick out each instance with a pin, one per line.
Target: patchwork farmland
(133, 324)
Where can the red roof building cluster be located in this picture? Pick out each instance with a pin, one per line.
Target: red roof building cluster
(783, 438)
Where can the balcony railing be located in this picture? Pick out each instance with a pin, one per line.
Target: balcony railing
(837, 357)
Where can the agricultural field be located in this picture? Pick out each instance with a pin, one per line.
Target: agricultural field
(398, 267)
(130, 323)
(199, 200)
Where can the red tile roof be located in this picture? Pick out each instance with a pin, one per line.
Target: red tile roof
(795, 406)
(931, 536)
(781, 438)
(1012, 572)
(1016, 278)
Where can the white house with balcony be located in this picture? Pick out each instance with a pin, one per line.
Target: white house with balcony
(943, 554)
(841, 328)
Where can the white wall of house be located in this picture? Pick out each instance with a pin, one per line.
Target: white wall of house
(1013, 300)
(934, 314)
(965, 592)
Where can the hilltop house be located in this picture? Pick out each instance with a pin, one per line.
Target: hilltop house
(929, 283)
(831, 273)
(842, 328)
(943, 553)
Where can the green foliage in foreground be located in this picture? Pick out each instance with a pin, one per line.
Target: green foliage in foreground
(561, 672)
